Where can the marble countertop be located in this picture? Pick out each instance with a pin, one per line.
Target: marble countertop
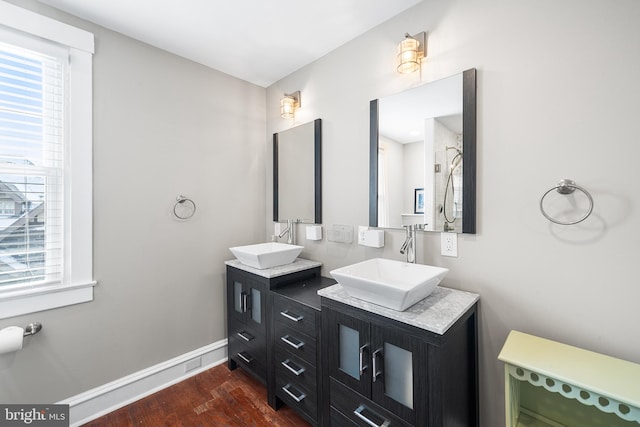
(299, 264)
(436, 313)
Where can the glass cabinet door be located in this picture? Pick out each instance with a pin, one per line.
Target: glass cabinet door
(396, 362)
(350, 351)
(256, 305)
(397, 371)
(238, 297)
(248, 300)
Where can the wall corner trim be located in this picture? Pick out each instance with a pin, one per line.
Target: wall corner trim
(106, 398)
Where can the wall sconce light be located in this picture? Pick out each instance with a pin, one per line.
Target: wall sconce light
(411, 51)
(289, 103)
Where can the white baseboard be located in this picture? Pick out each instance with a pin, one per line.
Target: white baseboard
(101, 400)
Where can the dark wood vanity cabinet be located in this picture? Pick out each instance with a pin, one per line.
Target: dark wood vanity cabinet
(339, 365)
(273, 326)
(247, 322)
(381, 371)
(295, 311)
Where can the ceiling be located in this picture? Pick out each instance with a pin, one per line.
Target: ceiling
(258, 41)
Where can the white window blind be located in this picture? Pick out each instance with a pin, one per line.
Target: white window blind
(31, 166)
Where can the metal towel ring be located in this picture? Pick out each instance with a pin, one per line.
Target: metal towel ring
(181, 200)
(567, 186)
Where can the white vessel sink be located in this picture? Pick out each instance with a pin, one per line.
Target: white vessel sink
(392, 284)
(266, 255)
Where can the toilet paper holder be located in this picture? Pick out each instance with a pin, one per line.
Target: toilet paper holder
(32, 329)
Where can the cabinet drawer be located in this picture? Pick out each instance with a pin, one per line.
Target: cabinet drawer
(249, 349)
(249, 359)
(339, 420)
(359, 409)
(299, 344)
(297, 396)
(299, 317)
(253, 341)
(295, 370)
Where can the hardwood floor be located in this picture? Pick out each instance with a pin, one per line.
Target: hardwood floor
(217, 397)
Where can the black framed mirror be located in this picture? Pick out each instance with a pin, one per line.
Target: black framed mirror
(297, 173)
(422, 157)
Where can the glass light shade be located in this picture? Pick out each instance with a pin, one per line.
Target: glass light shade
(287, 107)
(408, 55)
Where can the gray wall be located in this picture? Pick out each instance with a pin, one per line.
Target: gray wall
(557, 98)
(163, 126)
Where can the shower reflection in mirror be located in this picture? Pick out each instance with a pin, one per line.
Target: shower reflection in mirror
(424, 138)
(401, 170)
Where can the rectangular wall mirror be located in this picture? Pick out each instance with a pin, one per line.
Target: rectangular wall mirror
(297, 173)
(423, 156)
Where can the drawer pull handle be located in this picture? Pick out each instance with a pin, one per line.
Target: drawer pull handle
(295, 371)
(245, 336)
(376, 372)
(246, 358)
(358, 413)
(298, 398)
(294, 317)
(296, 345)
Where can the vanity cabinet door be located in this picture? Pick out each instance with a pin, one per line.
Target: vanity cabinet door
(246, 323)
(246, 300)
(349, 351)
(398, 368)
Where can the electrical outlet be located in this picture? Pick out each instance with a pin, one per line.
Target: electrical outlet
(449, 244)
(361, 230)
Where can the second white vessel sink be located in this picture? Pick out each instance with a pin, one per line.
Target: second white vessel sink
(266, 255)
(392, 284)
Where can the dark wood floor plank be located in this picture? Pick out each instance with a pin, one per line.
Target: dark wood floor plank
(217, 397)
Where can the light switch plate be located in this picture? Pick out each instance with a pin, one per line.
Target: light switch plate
(449, 244)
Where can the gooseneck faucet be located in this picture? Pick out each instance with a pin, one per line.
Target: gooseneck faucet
(290, 231)
(409, 245)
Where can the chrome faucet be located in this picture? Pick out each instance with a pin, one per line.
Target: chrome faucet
(409, 245)
(290, 231)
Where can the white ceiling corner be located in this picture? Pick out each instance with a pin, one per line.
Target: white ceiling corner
(255, 40)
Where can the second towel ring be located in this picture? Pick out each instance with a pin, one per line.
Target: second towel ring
(567, 186)
(181, 200)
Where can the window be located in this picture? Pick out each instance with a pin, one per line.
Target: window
(45, 163)
(31, 166)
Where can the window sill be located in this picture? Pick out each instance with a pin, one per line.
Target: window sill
(44, 298)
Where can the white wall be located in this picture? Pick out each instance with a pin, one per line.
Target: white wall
(557, 98)
(163, 126)
(414, 174)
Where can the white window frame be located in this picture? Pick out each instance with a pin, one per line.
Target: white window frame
(77, 285)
